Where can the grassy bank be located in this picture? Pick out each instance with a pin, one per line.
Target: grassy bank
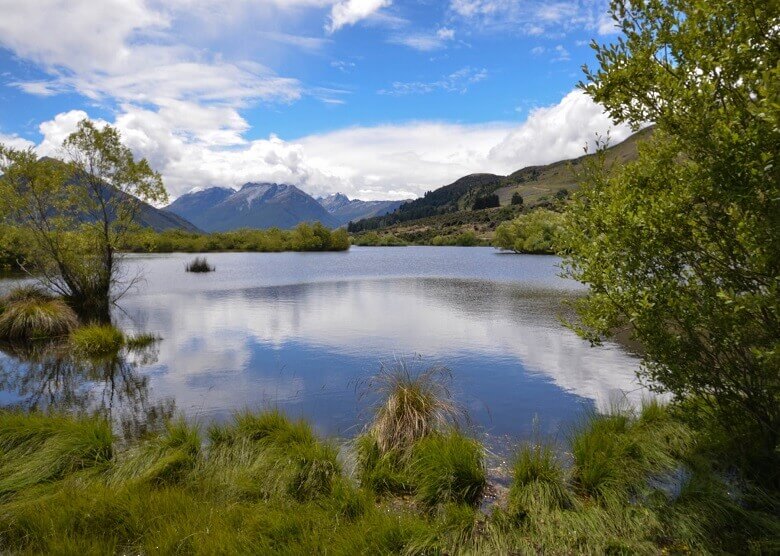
(266, 484)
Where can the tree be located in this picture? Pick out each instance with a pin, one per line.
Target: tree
(535, 232)
(78, 212)
(683, 245)
(517, 199)
(487, 201)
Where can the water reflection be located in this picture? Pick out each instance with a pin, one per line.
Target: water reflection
(302, 346)
(299, 331)
(47, 376)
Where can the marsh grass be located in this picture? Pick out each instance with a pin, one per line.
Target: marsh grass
(412, 405)
(448, 468)
(263, 483)
(29, 313)
(199, 264)
(141, 341)
(97, 340)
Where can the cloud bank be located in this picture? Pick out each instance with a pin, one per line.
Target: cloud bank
(393, 161)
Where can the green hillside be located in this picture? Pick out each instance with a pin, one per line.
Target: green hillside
(446, 215)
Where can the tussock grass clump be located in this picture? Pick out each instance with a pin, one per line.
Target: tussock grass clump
(97, 340)
(413, 406)
(539, 481)
(199, 264)
(448, 468)
(413, 445)
(28, 313)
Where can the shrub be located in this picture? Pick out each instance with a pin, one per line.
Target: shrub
(517, 199)
(96, 340)
(199, 264)
(534, 232)
(28, 313)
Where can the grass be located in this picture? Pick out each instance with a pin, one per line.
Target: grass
(199, 264)
(29, 313)
(412, 405)
(141, 341)
(97, 340)
(263, 483)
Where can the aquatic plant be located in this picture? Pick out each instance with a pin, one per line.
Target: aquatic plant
(199, 264)
(141, 341)
(29, 313)
(96, 340)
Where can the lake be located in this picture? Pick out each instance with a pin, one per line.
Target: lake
(304, 332)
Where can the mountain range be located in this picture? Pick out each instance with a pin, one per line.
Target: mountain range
(266, 205)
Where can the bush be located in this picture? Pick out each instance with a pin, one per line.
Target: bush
(97, 340)
(199, 264)
(534, 232)
(517, 199)
(28, 313)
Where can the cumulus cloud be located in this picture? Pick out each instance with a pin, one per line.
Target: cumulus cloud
(380, 162)
(349, 12)
(14, 141)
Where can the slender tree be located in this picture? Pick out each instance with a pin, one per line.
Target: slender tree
(77, 211)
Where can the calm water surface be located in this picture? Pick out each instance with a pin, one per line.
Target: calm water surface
(303, 331)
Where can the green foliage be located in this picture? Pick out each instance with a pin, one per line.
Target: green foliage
(517, 199)
(533, 232)
(75, 213)
(13, 248)
(539, 481)
(36, 449)
(97, 340)
(29, 313)
(488, 201)
(265, 484)
(683, 245)
(373, 239)
(447, 468)
(141, 341)
(304, 238)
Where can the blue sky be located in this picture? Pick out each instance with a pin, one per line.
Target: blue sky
(374, 98)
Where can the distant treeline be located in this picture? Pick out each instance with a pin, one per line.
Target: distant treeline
(305, 237)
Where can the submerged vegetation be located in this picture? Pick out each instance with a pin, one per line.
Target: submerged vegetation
(304, 237)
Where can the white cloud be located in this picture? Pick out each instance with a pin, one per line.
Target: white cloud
(425, 41)
(458, 81)
(561, 54)
(349, 12)
(386, 161)
(15, 142)
(533, 17)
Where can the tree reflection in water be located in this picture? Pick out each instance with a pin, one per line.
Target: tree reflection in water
(50, 377)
